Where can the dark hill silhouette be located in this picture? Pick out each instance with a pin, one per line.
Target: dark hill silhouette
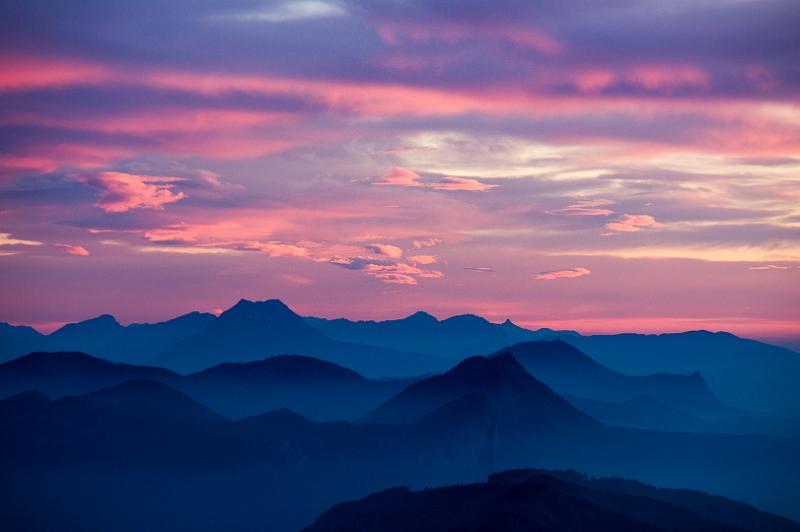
(569, 371)
(254, 330)
(60, 374)
(456, 337)
(518, 400)
(720, 509)
(538, 500)
(744, 373)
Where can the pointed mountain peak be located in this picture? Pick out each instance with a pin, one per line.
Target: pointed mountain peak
(267, 307)
(272, 312)
(421, 316)
(502, 360)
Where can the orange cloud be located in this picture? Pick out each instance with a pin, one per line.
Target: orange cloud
(563, 274)
(120, 192)
(422, 259)
(769, 267)
(632, 223)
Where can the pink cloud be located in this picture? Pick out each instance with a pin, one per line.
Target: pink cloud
(632, 223)
(74, 250)
(461, 183)
(400, 177)
(563, 274)
(386, 249)
(396, 278)
(120, 191)
(403, 177)
(272, 248)
(586, 208)
(386, 271)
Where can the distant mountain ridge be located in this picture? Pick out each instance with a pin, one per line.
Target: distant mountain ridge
(744, 373)
(456, 337)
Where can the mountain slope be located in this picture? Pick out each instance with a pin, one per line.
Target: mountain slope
(519, 401)
(569, 371)
(138, 343)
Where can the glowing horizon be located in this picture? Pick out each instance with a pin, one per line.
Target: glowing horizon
(596, 168)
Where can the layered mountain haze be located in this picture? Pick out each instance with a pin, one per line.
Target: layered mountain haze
(744, 373)
(233, 389)
(482, 415)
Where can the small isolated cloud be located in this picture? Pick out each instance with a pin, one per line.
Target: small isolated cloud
(422, 259)
(387, 250)
(399, 177)
(74, 250)
(769, 267)
(586, 208)
(426, 243)
(289, 11)
(403, 177)
(563, 274)
(632, 223)
(120, 191)
(7, 240)
(480, 269)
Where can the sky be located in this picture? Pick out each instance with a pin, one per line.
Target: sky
(604, 166)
